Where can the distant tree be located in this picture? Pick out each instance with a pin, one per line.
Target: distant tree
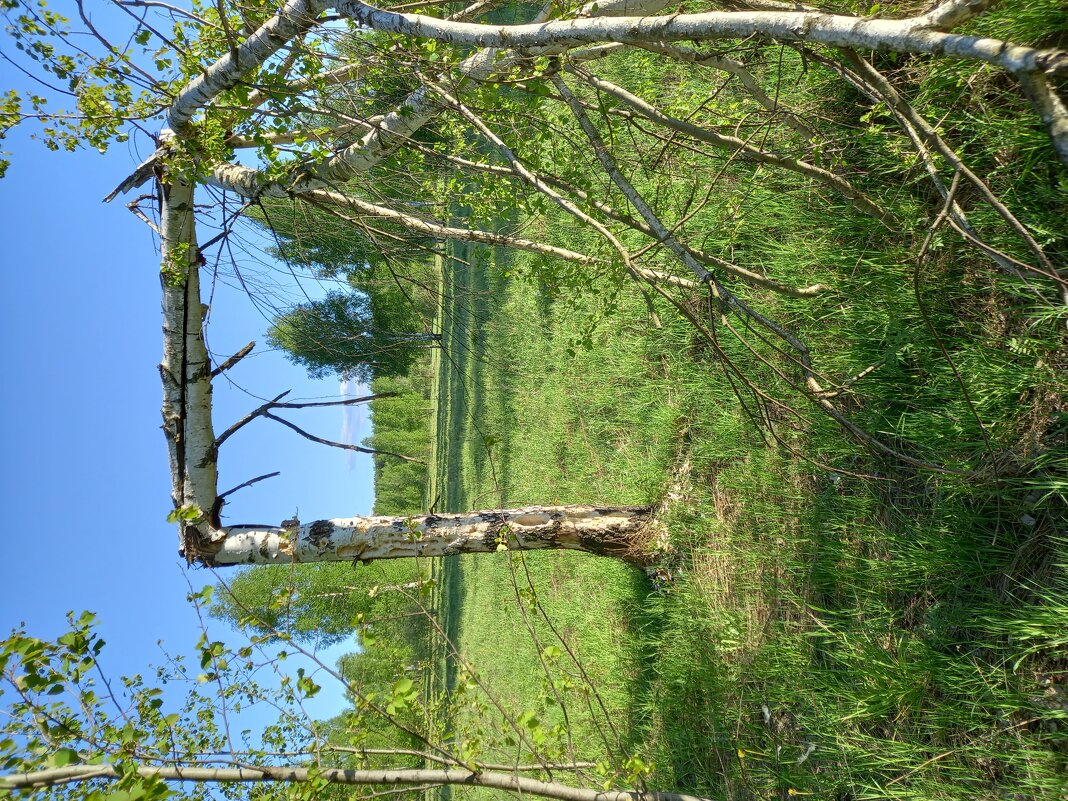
(340, 334)
(319, 606)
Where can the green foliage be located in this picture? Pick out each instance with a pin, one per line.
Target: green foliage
(401, 424)
(838, 623)
(341, 334)
(322, 604)
(58, 715)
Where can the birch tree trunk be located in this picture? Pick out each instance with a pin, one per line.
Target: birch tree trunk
(616, 531)
(186, 367)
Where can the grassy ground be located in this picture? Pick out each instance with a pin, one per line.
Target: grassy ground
(836, 625)
(892, 635)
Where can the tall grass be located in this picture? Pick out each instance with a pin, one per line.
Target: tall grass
(837, 624)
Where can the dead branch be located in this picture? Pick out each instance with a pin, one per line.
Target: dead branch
(226, 365)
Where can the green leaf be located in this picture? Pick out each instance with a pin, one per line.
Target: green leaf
(65, 756)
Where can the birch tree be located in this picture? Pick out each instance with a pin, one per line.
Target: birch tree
(263, 101)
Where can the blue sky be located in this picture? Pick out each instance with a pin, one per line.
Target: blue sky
(84, 482)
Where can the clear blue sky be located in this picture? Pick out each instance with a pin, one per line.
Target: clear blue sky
(84, 482)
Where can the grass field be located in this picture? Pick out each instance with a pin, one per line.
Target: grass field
(894, 635)
(835, 624)
(832, 618)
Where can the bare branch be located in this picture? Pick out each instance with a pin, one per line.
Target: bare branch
(342, 445)
(226, 365)
(441, 231)
(747, 151)
(249, 483)
(135, 208)
(275, 403)
(342, 402)
(933, 139)
(736, 68)
(248, 418)
(340, 776)
(167, 7)
(443, 761)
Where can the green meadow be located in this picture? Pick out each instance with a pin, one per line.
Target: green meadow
(829, 622)
(875, 612)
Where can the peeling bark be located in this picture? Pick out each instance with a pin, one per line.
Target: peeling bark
(600, 530)
(186, 367)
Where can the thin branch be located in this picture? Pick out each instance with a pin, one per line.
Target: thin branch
(248, 418)
(439, 230)
(275, 403)
(892, 97)
(687, 55)
(747, 151)
(442, 761)
(226, 365)
(342, 402)
(342, 445)
(167, 7)
(248, 483)
(920, 259)
(135, 209)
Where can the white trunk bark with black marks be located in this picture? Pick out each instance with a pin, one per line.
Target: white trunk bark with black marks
(186, 367)
(601, 530)
(293, 18)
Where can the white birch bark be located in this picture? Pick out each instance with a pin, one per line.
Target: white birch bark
(601, 530)
(622, 8)
(245, 182)
(293, 18)
(186, 366)
(955, 12)
(913, 35)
